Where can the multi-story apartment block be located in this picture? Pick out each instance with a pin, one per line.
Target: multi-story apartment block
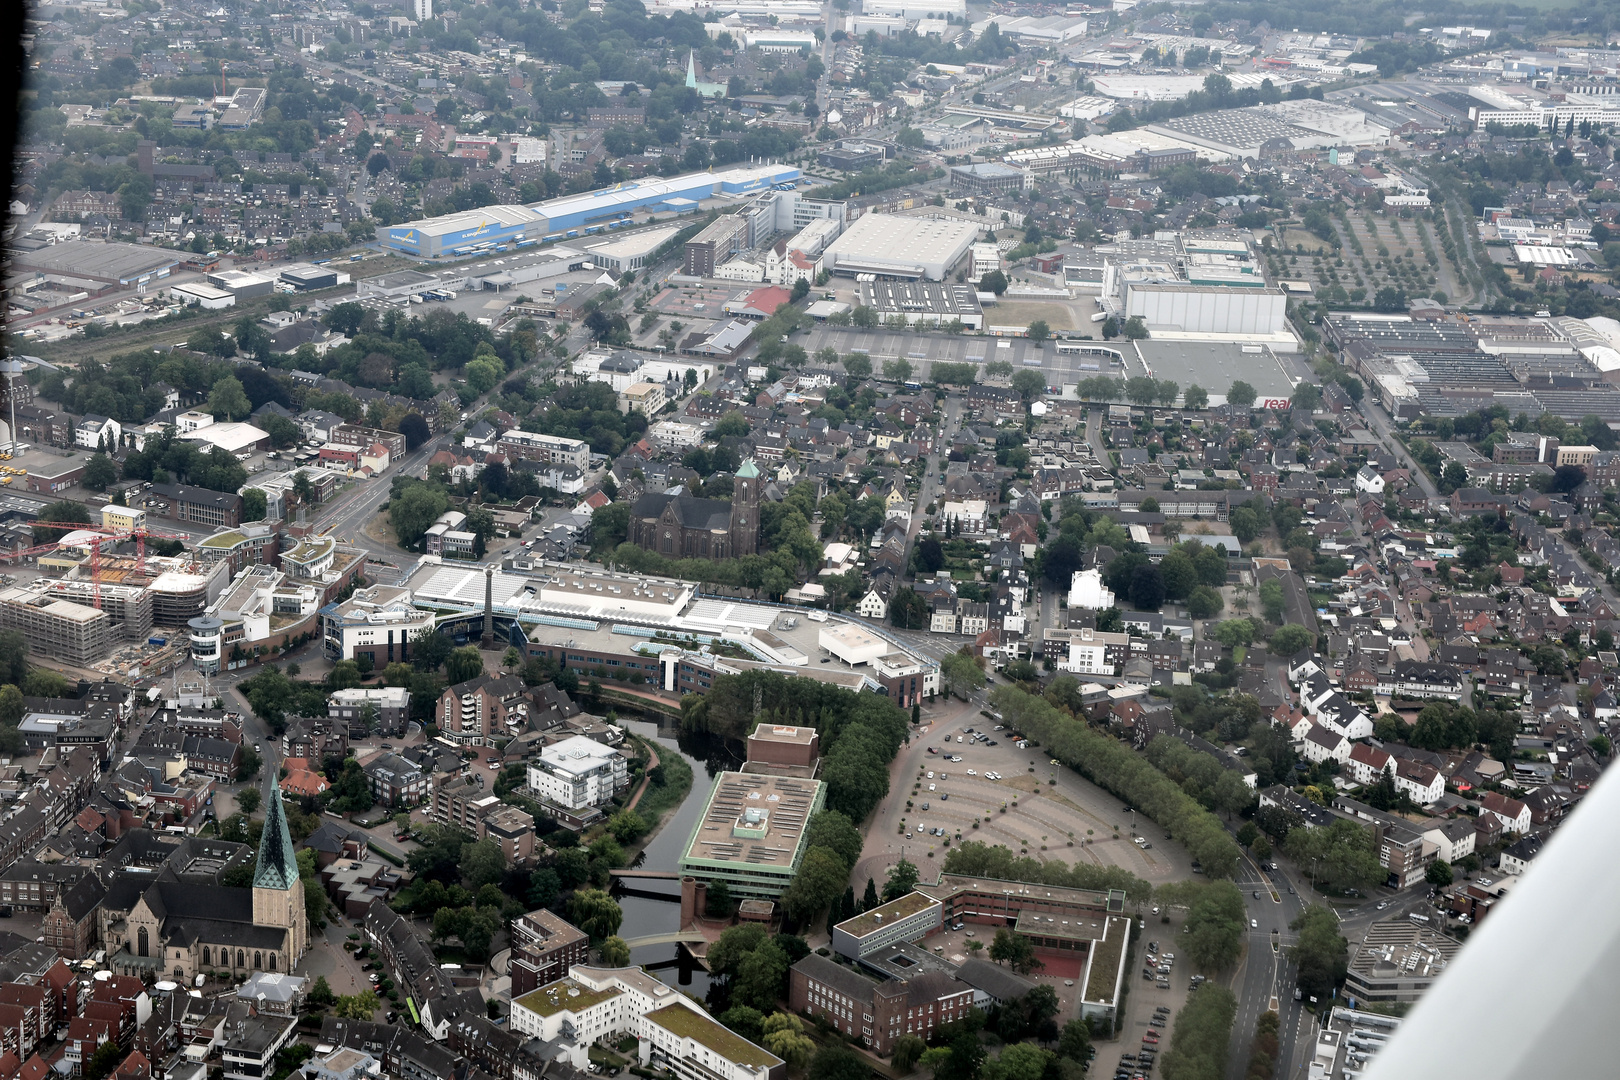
(877, 1012)
(578, 773)
(552, 449)
(481, 709)
(545, 947)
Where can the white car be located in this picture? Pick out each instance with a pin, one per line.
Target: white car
(930, 774)
(970, 772)
(1254, 924)
(930, 787)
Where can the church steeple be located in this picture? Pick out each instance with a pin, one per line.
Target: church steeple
(745, 510)
(278, 863)
(278, 894)
(691, 68)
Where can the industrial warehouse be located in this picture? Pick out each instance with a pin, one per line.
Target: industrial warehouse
(892, 246)
(497, 228)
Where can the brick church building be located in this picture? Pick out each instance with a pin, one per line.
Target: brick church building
(683, 527)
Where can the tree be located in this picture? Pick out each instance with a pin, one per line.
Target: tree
(1135, 329)
(99, 472)
(1320, 950)
(415, 508)
(993, 282)
(626, 825)
(1015, 950)
(727, 953)
(783, 1035)
(361, 1006)
(106, 1057)
(907, 610)
(1389, 300)
(1340, 856)
(596, 913)
(1029, 384)
(248, 800)
(818, 883)
(870, 898)
(615, 953)
(1196, 397)
(907, 1049)
(254, 505)
(320, 994)
(719, 902)
(1241, 394)
(899, 369)
(415, 429)
(835, 1061)
(832, 830)
(228, 401)
(1438, 874)
(482, 863)
(1038, 331)
(1213, 933)
(1289, 639)
(762, 975)
(902, 879)
(859, 365)
(960, 674)
(746, 1021)
(1075, 1041)
(462, 664)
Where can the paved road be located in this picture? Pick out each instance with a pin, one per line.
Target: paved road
(1381, 424)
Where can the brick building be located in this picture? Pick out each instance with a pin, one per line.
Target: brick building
(544, 948)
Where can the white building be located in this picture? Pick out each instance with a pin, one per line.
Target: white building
(674, 1031)
(1095, 653)
(986, 259)
(97, 431)
(578, 773)
(1322, 743)
(379, 621)
(1086, 590)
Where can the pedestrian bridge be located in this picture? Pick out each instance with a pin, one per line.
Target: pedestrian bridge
(690, 936)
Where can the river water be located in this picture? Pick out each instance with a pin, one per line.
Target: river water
(642, 914)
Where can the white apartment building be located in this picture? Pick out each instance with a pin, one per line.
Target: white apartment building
(1093, 653)
(674, 1031)
(578, 773)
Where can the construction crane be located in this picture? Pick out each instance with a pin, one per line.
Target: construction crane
(105, 533)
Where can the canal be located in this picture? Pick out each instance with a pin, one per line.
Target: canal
(654, 907)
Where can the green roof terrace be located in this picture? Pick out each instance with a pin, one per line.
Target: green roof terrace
(564, 995)
(688, 1024)
(886, 914)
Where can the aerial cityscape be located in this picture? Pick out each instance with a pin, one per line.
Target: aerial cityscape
(798, 540)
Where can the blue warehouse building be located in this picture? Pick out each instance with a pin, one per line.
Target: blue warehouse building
(493, 228)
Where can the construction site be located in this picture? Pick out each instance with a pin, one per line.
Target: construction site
(87, 600)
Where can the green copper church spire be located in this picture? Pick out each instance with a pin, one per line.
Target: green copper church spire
(278, 863)
(691, 68)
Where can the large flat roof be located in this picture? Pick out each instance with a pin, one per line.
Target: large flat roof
(564, 994)
(114, 261)
(753, 820)
(688, 1023)
(887, 914)
(893, 238)
(1213, 366)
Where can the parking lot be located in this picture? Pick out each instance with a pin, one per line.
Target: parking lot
(1000, 794)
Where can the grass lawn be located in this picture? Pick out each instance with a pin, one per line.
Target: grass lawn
(1022, 313)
